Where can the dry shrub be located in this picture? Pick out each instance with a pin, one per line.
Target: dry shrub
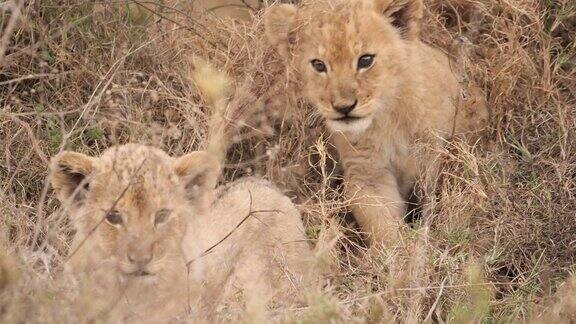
(497, 228)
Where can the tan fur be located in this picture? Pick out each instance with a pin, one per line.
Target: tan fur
(8, 267)
(265, 257)
(411, 91)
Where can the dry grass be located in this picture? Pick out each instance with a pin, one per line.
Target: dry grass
(497, 235)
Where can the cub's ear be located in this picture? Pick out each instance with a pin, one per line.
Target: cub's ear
(405, 15)
(199, 172)
(279, 27)
(69, 172)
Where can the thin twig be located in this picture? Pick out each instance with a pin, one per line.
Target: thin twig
(7, 33)
(250, 213)
(248, 5)
(433, 307)
(33, 76)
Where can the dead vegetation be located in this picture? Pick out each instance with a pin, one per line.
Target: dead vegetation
(497, 233)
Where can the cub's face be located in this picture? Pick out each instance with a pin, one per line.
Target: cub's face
(130, 206)
(349, 55)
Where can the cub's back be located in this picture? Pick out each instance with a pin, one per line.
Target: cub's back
(441, 76)
(256, 243)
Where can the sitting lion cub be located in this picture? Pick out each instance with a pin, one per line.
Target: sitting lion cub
(380, 90)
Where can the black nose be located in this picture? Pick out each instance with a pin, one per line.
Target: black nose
(345, 110)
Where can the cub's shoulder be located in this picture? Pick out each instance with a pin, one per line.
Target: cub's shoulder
(254, 185)
(254, 193)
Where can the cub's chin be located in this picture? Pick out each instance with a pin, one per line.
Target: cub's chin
(137, 280)
(351, 126)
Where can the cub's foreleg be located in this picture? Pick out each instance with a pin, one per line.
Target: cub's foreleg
(378, 206)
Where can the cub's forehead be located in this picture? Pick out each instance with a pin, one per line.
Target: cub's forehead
(334, 13)
(343, 27)
(145, 169)
(141, 186)
(132, 157)
(335, 5)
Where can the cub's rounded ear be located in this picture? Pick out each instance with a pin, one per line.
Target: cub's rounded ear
(199, 172)
(405, 15)
(279, 21)
(69, 172)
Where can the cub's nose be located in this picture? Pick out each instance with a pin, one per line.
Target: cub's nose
(346, 108)
(139, 259)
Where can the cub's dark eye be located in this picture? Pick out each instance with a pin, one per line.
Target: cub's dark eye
(318, 65)
(114, 218)
(365, 61)
(162, 216)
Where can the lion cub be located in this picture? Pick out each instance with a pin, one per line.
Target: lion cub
(380, 90)
(142, 216)
(129, 209)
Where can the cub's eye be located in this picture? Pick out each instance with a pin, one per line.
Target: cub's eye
(114, 218)
(318, 65)
(162, 216)
(365, 61)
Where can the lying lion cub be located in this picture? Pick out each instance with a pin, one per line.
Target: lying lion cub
(134, 206)
(156, 238)
(380, 90)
